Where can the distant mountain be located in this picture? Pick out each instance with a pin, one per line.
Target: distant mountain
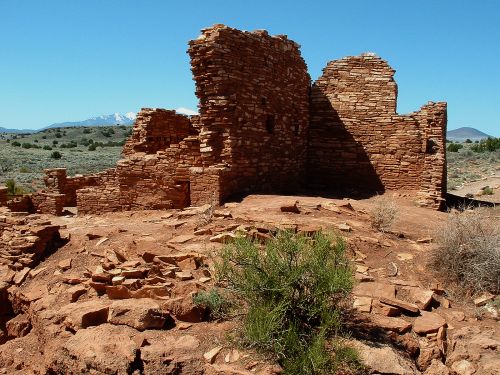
(114, 119)
(105, 120)
(17, 131)
(461, 134)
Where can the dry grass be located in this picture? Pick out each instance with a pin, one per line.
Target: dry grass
(384, 213)
(469, 251)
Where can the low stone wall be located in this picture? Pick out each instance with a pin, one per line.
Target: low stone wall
(3, 196)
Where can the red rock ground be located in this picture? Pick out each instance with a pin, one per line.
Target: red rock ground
(157, 330)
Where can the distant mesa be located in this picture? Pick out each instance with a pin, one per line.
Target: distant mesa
(461, 134)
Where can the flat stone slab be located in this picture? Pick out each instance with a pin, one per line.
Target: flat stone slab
(428, 323)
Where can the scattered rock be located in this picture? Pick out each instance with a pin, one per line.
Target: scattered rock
(18, 326)
(484, 299)
(429, 322)
(141, 314)
(399, 303)
(363, 304)
(223, 237)
(291, 207)
(212, 354)
(65, 264)
(390, 324)
(344, 227)
(437, 368)
(383, 359)
(374, 290)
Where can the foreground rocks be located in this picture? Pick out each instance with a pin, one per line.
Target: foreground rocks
(118, 298)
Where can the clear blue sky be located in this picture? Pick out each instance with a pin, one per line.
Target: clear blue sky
(63, 60)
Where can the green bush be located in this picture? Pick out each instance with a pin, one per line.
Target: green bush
(26, 145)
(295, 289)
(55, 142)
(47, 147)
(16, 144)
(58, 135)
(24, 170)
(87, 131)
(454, 147)
(56, 155)
(214, 301)
(468, 140)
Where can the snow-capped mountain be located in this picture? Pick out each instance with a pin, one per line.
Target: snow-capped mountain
(114, 119)
(105, 120)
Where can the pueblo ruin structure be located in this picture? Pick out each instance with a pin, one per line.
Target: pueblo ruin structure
(264, 128)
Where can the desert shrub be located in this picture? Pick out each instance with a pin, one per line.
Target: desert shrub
(24, 170)
(215, 301)
(87, 131)
(468, 140)
(16, 144)
(469, 251)
(486, 145)
(44, 137)
(47, 147)
(26, 145)
(487, 190)
(384, 213)
(55, 142)
(92, 147)
(294, 291)
(13, 188)
(56, 155)
(58, 135)
(454, 147)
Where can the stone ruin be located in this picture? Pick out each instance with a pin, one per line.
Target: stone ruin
(263, 127)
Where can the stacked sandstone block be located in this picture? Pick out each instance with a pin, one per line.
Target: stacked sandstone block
(156, 129)
(24, 241)
(254, 108)
(3, 196)
(357, 141)
(154, 174)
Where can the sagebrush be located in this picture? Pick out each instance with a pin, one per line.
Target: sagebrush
(294, 289)
(384, 213)
(469, 250)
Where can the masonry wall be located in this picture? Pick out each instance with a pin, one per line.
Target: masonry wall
(3, 196)
(357, 141)
(154, 173)
(253, 92)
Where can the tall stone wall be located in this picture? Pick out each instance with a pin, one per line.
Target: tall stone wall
(357, 141)
(253, 91)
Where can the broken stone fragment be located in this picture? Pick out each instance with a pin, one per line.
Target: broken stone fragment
(184, 275)
(344, 227)
(400, 304)
(65, 264)
(420, 297)
(20, 276)
(484, 299)
(75, 292)
(84, 314)
(390, 324)
(117, 292)
(291, 207)
(223, 237)
(18, 326)
(363, 304)
(211, 355)
(141, 314)
(374, 290)
(429, 322)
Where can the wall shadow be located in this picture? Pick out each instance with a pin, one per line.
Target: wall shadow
(337, 165)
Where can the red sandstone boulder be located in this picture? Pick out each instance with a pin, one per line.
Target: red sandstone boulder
(141, 314)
